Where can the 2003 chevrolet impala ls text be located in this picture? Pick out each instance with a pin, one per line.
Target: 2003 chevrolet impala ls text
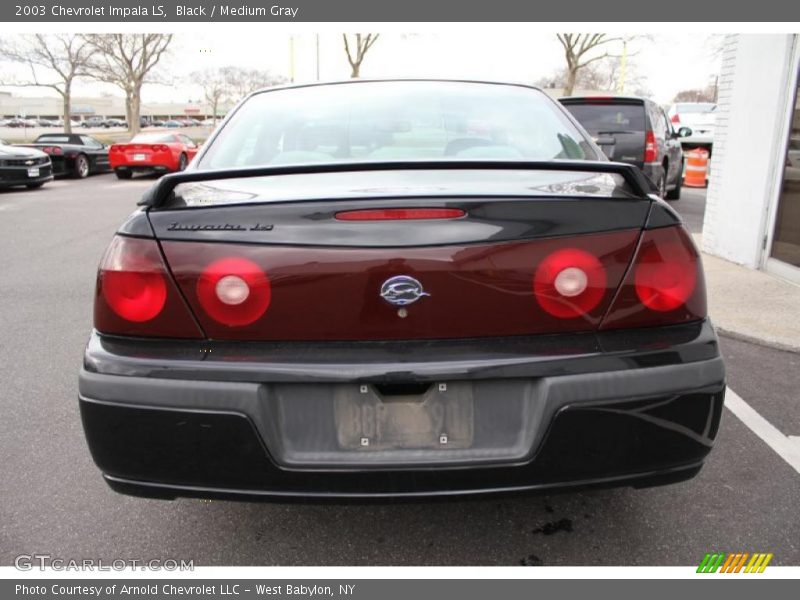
(399, 288)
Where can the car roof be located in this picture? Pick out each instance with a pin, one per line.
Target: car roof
(393, 80)
(73, 138)
(603, 98)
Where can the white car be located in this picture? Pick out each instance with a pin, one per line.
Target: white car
(700, 117)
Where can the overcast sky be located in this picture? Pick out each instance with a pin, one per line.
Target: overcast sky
(670, 62)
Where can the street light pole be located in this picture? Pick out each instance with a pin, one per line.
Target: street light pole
(317, 57)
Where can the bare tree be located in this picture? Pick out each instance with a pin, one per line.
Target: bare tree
(54, 61)
(215, 90)
(227, 85)
(240, 82)
(579, 50)
(363, 42)
(707, 94)
(128, 62)
(602, 75)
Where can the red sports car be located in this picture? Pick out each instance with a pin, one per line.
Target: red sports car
(152, 152)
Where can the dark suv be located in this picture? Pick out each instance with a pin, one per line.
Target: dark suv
(636, 131)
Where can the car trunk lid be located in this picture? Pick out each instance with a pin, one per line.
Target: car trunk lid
(397, 254)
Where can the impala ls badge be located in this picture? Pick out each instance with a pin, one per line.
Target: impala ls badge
(402, 290)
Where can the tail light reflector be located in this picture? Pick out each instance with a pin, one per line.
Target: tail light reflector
(400, 214)
(664, 285)
(650, 147)
(234, 291)
(569, 283)
(135, 294)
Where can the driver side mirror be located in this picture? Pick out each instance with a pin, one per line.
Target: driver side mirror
(684, 132)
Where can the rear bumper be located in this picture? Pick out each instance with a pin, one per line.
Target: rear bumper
(638, 408)
(144, 168)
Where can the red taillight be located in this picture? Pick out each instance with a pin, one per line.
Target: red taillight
(664, 285)
(650, 147)
(400, 214)
(160, 148)
(115, 148)
(676, 118)
(665, 274)
(135, 294)
(569, 283)
(234, 291)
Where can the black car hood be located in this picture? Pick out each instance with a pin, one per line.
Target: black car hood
(20, 152)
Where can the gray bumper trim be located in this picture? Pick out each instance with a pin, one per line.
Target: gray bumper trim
(552, 393)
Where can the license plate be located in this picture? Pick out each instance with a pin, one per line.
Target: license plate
(33, 172)
(439, 418)
(139, 157)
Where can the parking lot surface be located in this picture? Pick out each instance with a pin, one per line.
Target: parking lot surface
(53, 500)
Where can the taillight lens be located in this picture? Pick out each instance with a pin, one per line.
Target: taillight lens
(399, 214)
(234, 291)
(665, 275)
(665, 284)
(569, 283)
(650, 147)
(135, 294)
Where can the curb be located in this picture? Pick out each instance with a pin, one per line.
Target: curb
(743, 337)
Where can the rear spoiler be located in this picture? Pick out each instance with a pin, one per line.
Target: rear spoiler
(640, 185)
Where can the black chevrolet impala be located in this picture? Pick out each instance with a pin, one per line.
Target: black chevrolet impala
(394, 289)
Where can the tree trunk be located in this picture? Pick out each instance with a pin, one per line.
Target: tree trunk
(572, 75)
(135, 105)
(356, 69)
(66, 96)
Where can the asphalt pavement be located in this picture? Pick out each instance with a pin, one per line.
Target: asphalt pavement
(53, 500)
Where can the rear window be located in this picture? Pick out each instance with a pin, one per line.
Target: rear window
(606, 118)
(54, 139)
(395, 121)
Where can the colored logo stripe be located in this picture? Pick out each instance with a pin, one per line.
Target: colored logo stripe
(734, 563)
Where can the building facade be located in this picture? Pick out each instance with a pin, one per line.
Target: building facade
(109, 107)
(753, 204)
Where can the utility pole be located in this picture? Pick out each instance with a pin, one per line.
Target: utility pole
(623, 64)
(291, 58)
(317, 57)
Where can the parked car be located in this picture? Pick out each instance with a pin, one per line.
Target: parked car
(173, 123)
(93, 122)
(108, 123)
(17, 122)
(152, 152)
(635, 131)
(701, 118)
(23, 167)
(157, 123)
(399, 288)
(73, 155)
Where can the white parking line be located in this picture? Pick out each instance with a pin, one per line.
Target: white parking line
(787, 447)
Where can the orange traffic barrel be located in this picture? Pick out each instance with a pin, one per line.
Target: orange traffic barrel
(696, 170)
